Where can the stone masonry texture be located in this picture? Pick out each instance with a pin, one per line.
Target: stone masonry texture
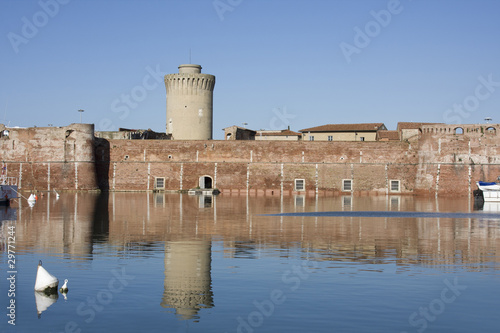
(439, 161)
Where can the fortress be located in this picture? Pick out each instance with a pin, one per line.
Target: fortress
(434, 159)
(437, 161)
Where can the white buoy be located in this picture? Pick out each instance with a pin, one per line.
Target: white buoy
(45, 281)
(32, 198)
(64, 288)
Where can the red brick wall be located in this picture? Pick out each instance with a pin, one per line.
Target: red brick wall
(48, 158)
(69, 158)
(268, 167)
(451, 164)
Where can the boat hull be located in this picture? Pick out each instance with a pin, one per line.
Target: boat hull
(491, 191)
(491, 195)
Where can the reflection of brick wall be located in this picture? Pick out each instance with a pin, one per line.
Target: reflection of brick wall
(238, 222)
(63, 225)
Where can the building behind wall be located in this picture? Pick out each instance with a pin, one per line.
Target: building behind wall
(283, 135)
(343, 132)
(238, 133)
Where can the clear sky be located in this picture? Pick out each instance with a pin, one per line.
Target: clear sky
(277, 63)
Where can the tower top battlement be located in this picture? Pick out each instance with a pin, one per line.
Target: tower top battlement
(189, 69)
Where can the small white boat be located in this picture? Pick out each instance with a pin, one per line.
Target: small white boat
(45, 281)
(490, 190)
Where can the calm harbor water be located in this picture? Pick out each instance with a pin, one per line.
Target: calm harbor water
(140, 262)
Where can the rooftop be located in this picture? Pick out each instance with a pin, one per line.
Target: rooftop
(366, 127)
(279, 133)
(413, 125)
(388, 135)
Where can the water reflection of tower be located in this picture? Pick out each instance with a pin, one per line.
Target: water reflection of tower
(187, 287)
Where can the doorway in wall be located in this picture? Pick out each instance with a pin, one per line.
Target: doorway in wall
(206, 182)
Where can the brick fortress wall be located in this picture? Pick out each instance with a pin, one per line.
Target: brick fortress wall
(452, 158)
(255, 166)
(50, 158)
(439, 160)
(70, 158)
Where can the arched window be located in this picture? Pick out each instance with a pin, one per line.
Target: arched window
(459, 130)
(491, 131)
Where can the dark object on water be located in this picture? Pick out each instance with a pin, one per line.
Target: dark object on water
(478, 195)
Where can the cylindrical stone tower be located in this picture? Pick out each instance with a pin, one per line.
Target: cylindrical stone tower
(189, 103)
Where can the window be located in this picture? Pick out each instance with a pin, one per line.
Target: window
(330, 138)
(361, 138)
(311, 137)
(299, 184)
(394, 186)
(159, 183)
(346, 185)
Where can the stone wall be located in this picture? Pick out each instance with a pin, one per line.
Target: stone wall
(441, 161)
(255, 167)
(50, 158)
(452, 158)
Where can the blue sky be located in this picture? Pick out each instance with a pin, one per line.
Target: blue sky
(277, 63)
